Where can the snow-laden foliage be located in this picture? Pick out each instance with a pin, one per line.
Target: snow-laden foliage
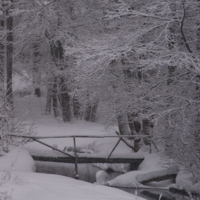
(145, 60)
(121, 61)
(5, 124)
(11, 123)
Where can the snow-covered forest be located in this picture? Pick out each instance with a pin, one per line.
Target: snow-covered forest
(116, 67)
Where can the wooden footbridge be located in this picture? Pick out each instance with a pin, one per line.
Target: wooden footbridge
(75, 157)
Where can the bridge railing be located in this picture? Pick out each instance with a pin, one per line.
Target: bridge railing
(75, 156)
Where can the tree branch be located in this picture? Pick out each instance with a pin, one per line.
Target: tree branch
(46, 5)
(182, 32)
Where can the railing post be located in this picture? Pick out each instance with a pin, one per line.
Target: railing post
(150, 146)
(76, 163)
(114, 148)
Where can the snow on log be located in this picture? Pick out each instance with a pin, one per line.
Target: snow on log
(139, 178)
(53, 156)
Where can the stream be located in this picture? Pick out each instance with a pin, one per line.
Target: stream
(87, 173)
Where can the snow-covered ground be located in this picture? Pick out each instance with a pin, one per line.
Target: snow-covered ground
(20, 182)
(150, 167)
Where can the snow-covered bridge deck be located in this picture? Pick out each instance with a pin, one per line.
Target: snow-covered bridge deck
(53, 156)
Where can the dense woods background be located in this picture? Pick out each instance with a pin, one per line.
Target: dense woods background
(131, 63)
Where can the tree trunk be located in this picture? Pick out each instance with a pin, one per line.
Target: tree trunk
(76, 106)
(87, 113)
(146, 131)
(65, 101)
(135, 128)
(171, 74)
(91, 112)
(93, 116)
(48, 100)
(36, 67)
(131, 123)
(168, 128)
(54, 98)
(9, 57)
(197, 95)
(57, 53)
(2, 48)
(123, 124)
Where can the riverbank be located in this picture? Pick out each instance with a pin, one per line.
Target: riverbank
(87, 172)
(20, 182)
(49, 126)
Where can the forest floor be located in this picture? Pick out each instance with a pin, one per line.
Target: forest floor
(20, 182)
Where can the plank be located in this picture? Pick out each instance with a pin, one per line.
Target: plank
(52, 156)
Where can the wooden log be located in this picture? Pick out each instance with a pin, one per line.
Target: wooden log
(156, 175)
(161, 178)
(52, 156)
(87, 159)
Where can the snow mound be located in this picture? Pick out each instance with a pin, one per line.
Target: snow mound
(150, 168)
(196, 188)
(151, 162)
(17, 159)
(135, 178)
(20, 183)
(186, 181)
(51, 187)
(101, 177)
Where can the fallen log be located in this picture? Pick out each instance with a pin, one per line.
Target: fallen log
(53, 156)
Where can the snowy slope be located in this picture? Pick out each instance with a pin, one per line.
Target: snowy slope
(19, 182)
(54, 187)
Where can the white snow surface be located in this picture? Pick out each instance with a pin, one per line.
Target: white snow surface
(151, 167)
(18, 159)
(34, 186)
(186, 181)
(101, 177)
(17, 176)
(23, 184)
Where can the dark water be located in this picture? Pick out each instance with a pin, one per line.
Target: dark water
(87, 173)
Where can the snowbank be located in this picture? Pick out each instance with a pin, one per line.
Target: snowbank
(196, 188)
(153, 167)
(105, 146)
(18, 159)
(186, 181)
(150, 168)
(51, 187)
(102, 177)
(18, 182)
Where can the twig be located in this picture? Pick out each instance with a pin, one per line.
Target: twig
(182, 32)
